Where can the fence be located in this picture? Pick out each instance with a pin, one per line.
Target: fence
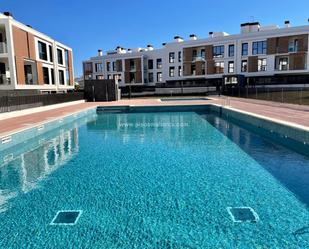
(14, 103)
(284, 95)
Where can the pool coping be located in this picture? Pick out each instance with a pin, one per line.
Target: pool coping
(176, 103)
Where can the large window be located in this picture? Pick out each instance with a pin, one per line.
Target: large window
(231, 50)
(30, 72)
(42, 50)
(193, 69)
(219, 67)
(179, 56)
(262, 65)
(172, 71)
(60, 56)
(293, 45)
(171, 57)
(51, 56)
(108, 66)
(150, 77)
(66, 57)
(150, 64)
(132, 65)
(45, 75)
(244, 66)
(282, 63)
(98, 67)
(244, 49)
(61, 77)
(259, 47)
(52, 73)
(159, 63)
(194, 54)
(231, 67)
(218, 51)
(203, 53)
(159, 77)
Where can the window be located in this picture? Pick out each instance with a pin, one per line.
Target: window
(45, 75)
(244, 65)
(231, 50)
(88, 76)
(244, 49)
(193, 69)
(262, 65)
(159, 77)
(259, 47)
(29, 67)
(159, 63)
(51, 57)
(150, 77)
(172, 71)
(132, 65)
(108, 66)
(67, 74)
(52, 73)
(203, 53)
(150, 64)
(219, 67)
(132, 77)
(66, 57)
(61, 77)
(99, 77)
(171, 57)
(218, 51)
(60, 56)
(114, 66)
(203, 68)
(110, 77)
(231, 67)
(283, 64)
(194, 54)
(87, 67)
(98, 67)
(293, 45)
(179, 56)
(179, 71)
(42, 50)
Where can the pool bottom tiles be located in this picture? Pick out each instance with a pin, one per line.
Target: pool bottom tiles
(154, 180)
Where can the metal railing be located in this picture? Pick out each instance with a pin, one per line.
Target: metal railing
(294, 95)
(3, 48)
(14, 103)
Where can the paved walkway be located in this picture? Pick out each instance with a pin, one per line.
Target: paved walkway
(283, 112)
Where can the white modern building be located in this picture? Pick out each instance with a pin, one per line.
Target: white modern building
(30, 60)
(257, 55)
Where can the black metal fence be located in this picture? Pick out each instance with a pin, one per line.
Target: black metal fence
(14, 103)
(279, 94)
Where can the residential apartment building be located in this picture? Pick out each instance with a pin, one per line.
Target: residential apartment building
(257, 55)
(30, 60)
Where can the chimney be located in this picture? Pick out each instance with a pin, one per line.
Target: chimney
(193, 37)
(287, 24)
(100, 53)
(178, 39)
(6, 13)
(211, 34)
(29, 26)
(163, 44)
(150, 47)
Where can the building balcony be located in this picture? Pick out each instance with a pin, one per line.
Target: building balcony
(3, 48)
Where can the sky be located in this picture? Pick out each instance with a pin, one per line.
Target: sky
(89, 25)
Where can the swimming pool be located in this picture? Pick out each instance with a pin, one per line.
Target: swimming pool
(153, 180)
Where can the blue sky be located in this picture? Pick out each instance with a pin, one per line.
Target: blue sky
(89, 25)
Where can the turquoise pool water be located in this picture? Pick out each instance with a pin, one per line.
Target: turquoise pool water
(153, 180)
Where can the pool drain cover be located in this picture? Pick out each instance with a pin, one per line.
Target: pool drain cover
(243, 214)
(66, 217)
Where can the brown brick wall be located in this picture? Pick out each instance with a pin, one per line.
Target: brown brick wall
(252, 64)
(187, 68)
(211, 67)
(119, 65)
(272, 45)
(40, 73)
(199, 67)
(138, 64)
(187, 54)
(138, 77)
(20, 72)
(297, 61)
(209, 52)
(70, 66)
(127, 77)
(127, 65)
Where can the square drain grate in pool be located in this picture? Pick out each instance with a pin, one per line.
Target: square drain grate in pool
(243, 214)
(66, 217)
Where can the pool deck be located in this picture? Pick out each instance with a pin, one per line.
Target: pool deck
(293, 115)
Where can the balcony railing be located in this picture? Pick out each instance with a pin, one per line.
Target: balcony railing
(4, 80)
(3, 48)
